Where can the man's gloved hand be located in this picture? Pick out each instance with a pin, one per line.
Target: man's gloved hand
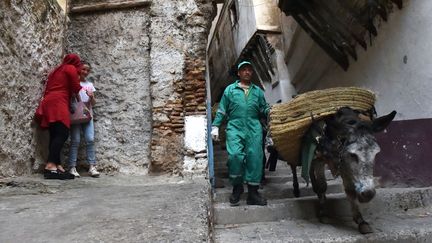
(215, 133)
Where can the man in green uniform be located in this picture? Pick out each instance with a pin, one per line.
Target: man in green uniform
(242, 105)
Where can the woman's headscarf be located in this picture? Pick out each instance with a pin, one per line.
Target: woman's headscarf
(69, 59)
(72, 59)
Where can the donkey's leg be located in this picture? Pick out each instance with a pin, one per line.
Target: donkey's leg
(296, 189)
(363, 226)
(319, 184)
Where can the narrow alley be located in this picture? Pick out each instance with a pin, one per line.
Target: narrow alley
(215, 121)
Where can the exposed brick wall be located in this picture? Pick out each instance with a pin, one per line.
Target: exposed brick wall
(167, 144)
(185, 93)
(194, 95)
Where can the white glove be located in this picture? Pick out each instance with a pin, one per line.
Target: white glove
(215, 133)
(268, 140)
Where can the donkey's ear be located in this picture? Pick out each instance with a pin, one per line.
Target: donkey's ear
(379, 124)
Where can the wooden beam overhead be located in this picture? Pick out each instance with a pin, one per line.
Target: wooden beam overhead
(337, 25)
(109, 6)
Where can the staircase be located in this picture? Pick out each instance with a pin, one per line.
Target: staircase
(395, 214)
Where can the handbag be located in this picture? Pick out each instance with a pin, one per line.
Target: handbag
(80, 112)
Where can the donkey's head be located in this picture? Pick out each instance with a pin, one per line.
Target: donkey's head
(354, 149)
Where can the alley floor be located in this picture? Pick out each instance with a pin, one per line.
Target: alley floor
(124, 208)
(108, 209)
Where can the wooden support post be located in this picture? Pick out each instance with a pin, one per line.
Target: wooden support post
(109, 6)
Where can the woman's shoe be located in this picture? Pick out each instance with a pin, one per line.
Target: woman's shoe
(67, 175)
(93, 172)
(52, 174)
(74, 172)
(57, 175)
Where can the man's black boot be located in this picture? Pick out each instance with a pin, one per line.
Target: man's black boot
(254, 198)
(235, 196)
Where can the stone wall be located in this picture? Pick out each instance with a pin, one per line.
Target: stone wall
(148, 68)
(116, 43)
(148, 64)
(31, 41)
(179, 31)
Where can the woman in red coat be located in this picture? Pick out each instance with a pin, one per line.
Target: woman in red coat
(62, 83)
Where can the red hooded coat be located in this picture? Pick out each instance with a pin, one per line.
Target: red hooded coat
(62, 82)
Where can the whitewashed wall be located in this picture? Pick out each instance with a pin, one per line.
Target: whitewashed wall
(195, 140)
(246, 26)
(398, 64)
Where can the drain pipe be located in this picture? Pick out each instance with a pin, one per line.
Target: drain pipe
(209, 139)
(210, 147)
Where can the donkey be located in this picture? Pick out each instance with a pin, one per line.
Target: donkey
(347, 145)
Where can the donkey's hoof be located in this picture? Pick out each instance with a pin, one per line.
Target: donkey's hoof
(364, 228)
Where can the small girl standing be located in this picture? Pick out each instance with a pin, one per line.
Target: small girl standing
(86, 95)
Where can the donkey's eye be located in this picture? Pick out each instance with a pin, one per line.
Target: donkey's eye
(352, 122)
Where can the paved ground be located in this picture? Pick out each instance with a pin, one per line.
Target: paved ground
(108, 209)
(171, 209)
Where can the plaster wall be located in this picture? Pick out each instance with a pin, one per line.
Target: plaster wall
(396, 66)
(267, 15)
(179, 32)
(246, 25)
(195, 144)
(116, 43)
(31, 44)
(221, 53)
(214, 22)
(149, 68)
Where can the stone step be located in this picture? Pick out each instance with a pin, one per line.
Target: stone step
(278, 176)
(410, 226)
(222, 163)
(278, 191)
(270, 179)
(223, 181)
(223, 172)
(389, 200)
(281, 166)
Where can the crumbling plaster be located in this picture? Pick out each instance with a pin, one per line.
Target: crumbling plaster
(148, 69)
(117, 43)
(31, 44)
(179, 33)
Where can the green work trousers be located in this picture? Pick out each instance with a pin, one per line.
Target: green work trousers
(245, 153)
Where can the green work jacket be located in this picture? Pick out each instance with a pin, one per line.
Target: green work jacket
(240, 110)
